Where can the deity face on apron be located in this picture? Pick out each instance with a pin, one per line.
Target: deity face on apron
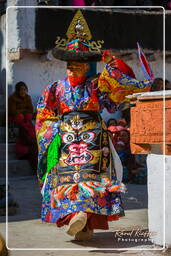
(82, 140)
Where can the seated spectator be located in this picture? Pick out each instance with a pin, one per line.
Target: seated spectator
(134, 170)
(124, 136)
(122, 150)
(111, 122)
(157, 85)
(122, 122)
(122, 147)
(20, 107)
(20, 111)
(114, 132)
(125, 112)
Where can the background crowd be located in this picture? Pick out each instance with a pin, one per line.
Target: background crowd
(166, 4)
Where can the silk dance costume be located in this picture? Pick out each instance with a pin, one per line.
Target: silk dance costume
(78, 168)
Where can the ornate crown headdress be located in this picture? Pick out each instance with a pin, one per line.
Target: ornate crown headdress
(78, 45)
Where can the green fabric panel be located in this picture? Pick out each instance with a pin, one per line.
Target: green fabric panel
(52, 154)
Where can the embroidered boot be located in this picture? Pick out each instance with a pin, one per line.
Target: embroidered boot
(85, 234)
(77, 223)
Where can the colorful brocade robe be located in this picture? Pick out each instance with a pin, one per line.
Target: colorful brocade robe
(76, 168)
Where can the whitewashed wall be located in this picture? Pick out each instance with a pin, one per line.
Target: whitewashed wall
(21, 28)
(20, 35)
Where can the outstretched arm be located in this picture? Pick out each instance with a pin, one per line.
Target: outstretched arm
(118, 80)
(125, 79)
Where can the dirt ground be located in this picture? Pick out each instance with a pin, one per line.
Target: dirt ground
(28, 236)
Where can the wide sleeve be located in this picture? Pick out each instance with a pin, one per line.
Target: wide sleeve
(47, 125)
(117, 84)
(47, 106)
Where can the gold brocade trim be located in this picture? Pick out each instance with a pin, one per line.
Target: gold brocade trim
(96, 46)
(76, 118)
(83, 170)
(89, 126)
(103, 175)
(77, 168)
(105, 138)
(104, 125)
(65, 127)
(54, 181)
(62, 159)
(104, 163)
(61, 43)
(89, 175)
(96, 154)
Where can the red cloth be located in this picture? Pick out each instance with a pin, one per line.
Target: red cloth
(116, 128)
(122, 66)
(94, 221)
(20, 118)
(26, 145)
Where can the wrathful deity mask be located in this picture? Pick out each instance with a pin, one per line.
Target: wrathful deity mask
(82, 142)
